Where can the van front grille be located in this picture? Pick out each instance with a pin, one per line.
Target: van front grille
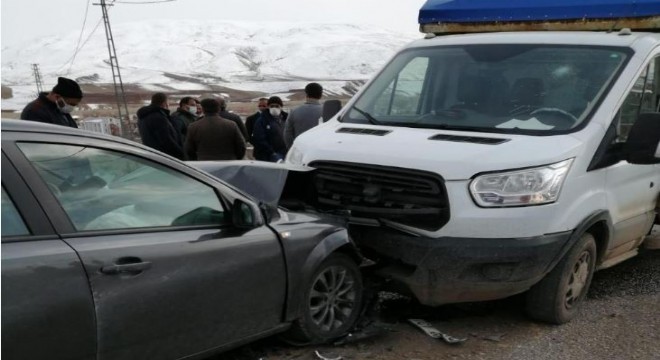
(410, 197)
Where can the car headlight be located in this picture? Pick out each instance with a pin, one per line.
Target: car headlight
(294, 156)
(534, 186)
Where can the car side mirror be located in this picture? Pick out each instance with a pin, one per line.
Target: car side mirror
(643, 143)
(242, 215)
(330, 109)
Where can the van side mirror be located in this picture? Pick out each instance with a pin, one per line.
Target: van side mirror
(642, 145)
(330, 109)
(242, 215)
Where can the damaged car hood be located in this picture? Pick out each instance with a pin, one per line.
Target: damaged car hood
(272, 184)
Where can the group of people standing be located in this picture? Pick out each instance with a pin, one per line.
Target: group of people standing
(217, 134)
(198, 130)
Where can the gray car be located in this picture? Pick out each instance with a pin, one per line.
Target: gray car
(112, 250)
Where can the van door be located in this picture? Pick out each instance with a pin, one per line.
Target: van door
(632, 190)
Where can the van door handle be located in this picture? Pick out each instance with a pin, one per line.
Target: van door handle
(132, 268)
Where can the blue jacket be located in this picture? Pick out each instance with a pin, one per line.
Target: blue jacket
(268, 137)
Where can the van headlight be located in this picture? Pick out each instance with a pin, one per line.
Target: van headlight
(294, 156)
(534, 186)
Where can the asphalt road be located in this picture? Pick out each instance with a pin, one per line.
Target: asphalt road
(620, 320)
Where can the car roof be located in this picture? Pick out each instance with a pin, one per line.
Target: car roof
(44, 128)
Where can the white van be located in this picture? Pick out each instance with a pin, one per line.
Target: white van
(478, 166)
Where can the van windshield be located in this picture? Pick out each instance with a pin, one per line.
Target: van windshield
(514, 88)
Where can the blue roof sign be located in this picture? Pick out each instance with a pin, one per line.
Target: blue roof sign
(537, 11)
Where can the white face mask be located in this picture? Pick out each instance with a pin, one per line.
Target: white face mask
(192, 109)
(64, 107)
(275, 111)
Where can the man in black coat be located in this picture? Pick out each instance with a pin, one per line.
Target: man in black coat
(233, 117)
(55, 107)
(185, 115)
(156, 128)
(250, 120)
(268, 135)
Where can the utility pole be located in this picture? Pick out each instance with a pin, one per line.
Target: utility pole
(122, 108)
(37, 78)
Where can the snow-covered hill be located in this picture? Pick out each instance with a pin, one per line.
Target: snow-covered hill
(187, 54)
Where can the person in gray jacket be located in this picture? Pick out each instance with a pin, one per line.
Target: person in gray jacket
(305, 116)
(214, 138)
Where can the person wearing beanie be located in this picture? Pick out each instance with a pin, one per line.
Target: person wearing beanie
(305, 116)
(55, 106)
(268, 133)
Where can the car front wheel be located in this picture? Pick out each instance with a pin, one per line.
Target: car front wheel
(333, 300)
(556, 298)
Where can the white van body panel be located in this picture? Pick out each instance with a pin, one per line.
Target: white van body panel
(615, 200)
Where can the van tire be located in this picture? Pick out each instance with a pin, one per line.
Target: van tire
(556, 298)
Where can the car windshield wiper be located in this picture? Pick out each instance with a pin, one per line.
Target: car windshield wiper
(369, 117)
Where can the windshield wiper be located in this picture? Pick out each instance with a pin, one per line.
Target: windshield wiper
(372, 120)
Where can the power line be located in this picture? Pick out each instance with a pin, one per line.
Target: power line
(82, 30)
(70, 60)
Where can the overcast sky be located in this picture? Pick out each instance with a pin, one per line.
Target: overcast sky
(23, 20)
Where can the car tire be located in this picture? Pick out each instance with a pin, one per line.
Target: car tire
(332, 302)
(557, 297)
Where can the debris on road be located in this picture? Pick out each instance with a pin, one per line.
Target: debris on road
(494, 337)
(371, 330)
(435, 333)
(326, 358)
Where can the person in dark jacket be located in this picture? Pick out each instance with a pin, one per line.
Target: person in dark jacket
(233, 117)
(184, 116)
(250, 120)
(268, 136)
(213, 137)
(55, 107)
(156, 128)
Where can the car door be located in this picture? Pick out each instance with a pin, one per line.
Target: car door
(169, 273)
(47, 308)
(633, 189)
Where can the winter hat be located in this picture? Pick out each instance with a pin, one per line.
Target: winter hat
(68, 88)
(275, 100)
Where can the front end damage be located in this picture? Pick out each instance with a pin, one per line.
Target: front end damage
(381, 205)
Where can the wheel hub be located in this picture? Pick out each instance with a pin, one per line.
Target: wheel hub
(578, 279)
(332, 298)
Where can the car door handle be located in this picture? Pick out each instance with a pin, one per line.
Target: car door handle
(132, 268)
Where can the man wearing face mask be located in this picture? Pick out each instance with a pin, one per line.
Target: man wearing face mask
(55, 107)
(184, 116)
(268, 133)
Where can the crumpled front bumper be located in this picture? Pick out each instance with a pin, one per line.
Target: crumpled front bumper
(450, 270)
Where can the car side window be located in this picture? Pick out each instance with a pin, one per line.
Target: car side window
(108, 190)
(643, 98)
(12, 221)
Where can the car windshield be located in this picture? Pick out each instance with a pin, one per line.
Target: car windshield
(514, 88)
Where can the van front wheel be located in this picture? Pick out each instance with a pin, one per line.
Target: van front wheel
(556, 298)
